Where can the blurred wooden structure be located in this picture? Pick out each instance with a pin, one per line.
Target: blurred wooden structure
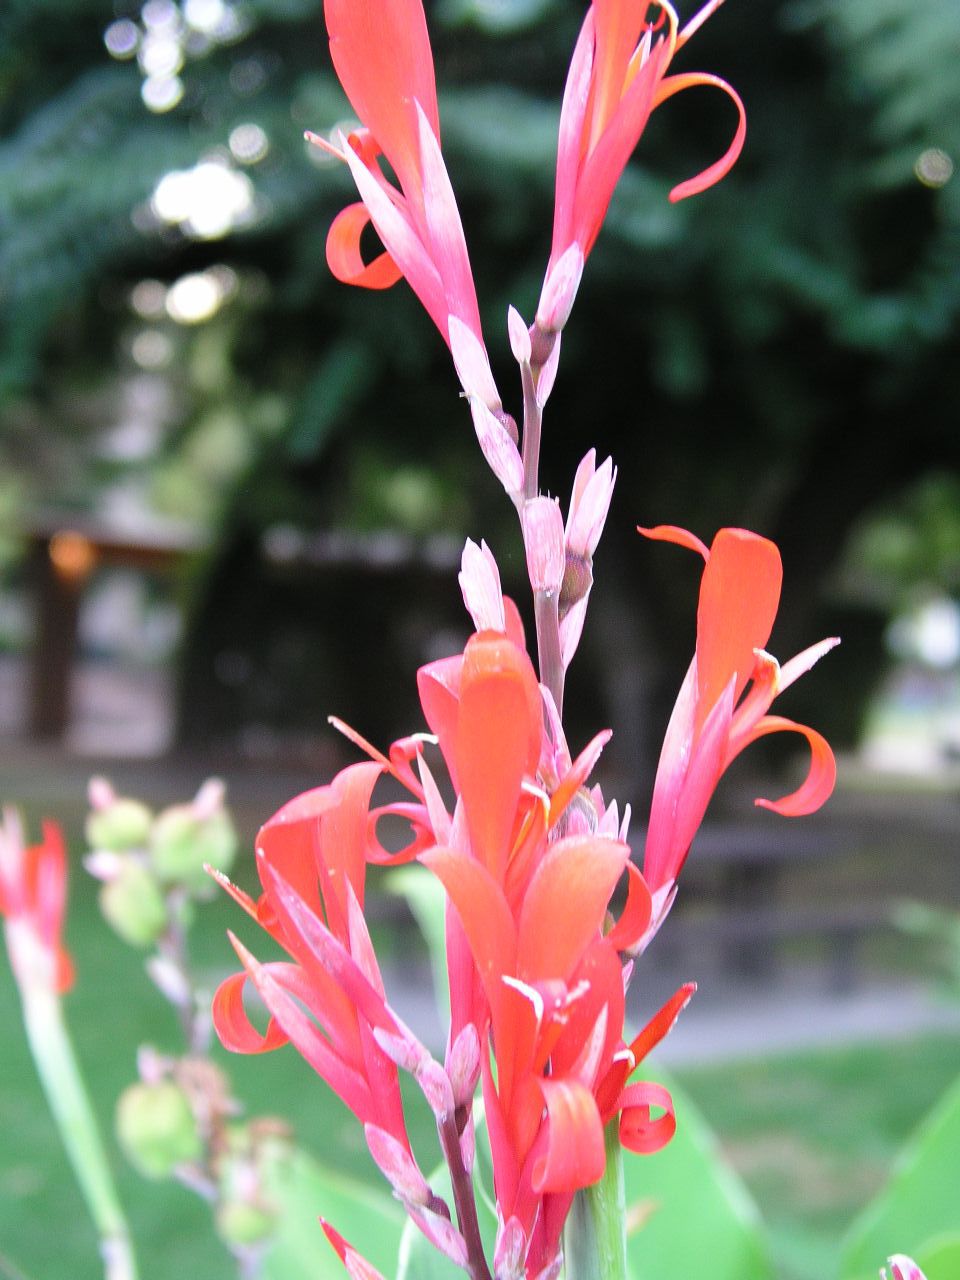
(65, 550)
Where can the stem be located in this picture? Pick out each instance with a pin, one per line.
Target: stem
(595, 1237)
(463, 1197)
(546, 611)
(532, 423)
(70, 1105)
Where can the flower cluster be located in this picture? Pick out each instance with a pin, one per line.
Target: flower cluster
(528, 851)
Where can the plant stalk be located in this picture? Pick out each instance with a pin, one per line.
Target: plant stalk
(70, 1105)
(595, 1237)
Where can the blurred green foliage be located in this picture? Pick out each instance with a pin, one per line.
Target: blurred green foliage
(779, 352)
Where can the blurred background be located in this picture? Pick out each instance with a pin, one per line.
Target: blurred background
(234, 492)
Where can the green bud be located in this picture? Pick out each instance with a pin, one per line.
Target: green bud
(181, 843)
(123, 824)
(134, 906)
(241, 1224)
(156, 1128)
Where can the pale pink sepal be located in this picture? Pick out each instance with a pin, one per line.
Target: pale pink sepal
(560, 290)
(480, 584)
(400, 239)
(548, 374)
(449, 248)
(510, 1252)
(571, 629)
(589, 504)
(498, 447)
(472, 363)
(397, 1165)
(519, 336)
(543, 541)
(442, 1234)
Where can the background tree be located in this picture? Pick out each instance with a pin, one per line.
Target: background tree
(778, 353)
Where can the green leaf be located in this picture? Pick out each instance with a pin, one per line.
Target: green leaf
(425, 896)
(365, 1216)
(688, 1214)
(918, 1212)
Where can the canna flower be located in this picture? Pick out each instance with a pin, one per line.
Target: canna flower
(381, 54)
(618, 75)
(529, 865)
(33, 891)
(716, 714)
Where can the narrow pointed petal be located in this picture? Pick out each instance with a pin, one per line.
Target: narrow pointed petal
(637, 913)
(447, 244)
(402, 241)
(357, 1267)
(720, 168)
(821, 777)
(801, 664)
(673, 533)
(577, 774)
(662, 1022)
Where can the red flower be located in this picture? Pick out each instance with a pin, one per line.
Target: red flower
(382, 56)
(712, 720)
(33, 893)
(617, 77)
(529, 869)
(328, 999)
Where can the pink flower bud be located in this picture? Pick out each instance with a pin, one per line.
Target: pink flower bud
(543, 539)
(463, 1064)
(519, 336)
(480, 584)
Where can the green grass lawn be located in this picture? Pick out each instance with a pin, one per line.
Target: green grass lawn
(812, 1134)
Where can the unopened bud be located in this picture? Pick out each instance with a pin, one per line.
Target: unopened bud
(157, 1129)
(519, 336)
(241, 1224)
(543, 540)
(577, 581)
(463, 1065)
(184, 841)
(120, 825)
(134, 906)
